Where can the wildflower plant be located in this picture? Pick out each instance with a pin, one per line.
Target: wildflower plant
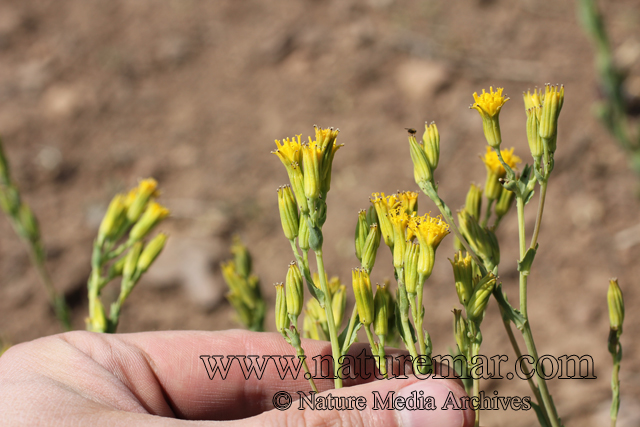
(244, 293)
(25, 223)
(121, 250)
(413, 240)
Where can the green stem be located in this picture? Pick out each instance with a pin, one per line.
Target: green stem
(536, 230)
(333, 333)
(523, 244)
(311, 381)
(429, 189)
(375, 350)
(382, 355)
(525, 369)
(418, 319)
(526, 331)
(60, 307)
(615, 385)
(476, 384)
(303, 358)
(350, 327)
(542, 383)
(404, 314)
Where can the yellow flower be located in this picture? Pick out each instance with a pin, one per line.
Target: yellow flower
(326, 148)
(383, 204)
(490, 102)
(399, 221)
(493, 163)
(408, 200)
(551, 106)
(149, 219)
(364, 296)
(495, 170)
(533, 108)
(289, 151)
(430, 232)
(489, 105)
(532, 100)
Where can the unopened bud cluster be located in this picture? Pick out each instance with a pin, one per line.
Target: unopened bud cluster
(120, 249)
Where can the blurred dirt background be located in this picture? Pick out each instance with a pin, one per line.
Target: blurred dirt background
(96, 94)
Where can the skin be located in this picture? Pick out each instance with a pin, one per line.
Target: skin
(157, 378)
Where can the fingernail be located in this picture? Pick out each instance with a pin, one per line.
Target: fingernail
(425, 402)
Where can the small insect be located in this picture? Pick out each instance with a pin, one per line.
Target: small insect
(412, 131)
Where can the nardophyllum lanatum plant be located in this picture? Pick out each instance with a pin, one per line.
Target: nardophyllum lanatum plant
(389, 316)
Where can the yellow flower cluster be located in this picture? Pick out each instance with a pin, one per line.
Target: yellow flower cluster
(493, 163)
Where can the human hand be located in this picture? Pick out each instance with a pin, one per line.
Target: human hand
(157, 378)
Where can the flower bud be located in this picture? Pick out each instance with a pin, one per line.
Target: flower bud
(237, 283)
(463, 276)
(421, 169)
(296, 178)
(411, 257)
(362, 230)
(616, 306)
(288, 212)
(294, 290)
(370, 248)
(149, 219)
(473, 203)
(113, 219)
(151, 252)
(98, 320)
(146, 189)
(28, 223)
(364, 295)
(382, 207)
(311, 158)
(131, 261)
(551, 106)
(241, 257)
(325, 139)
(315, 238)
(504, 202)
(372, 216)
(399, 221)
(431, 144)
(282, 317)
(243, 311)
(339, 304)
(460, 330)
(380, 308)
(10, 200)
(303, 234)
(533, 137)
(480, 298)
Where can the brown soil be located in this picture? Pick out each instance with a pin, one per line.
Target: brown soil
(97, 94)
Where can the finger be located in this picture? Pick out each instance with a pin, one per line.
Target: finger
(388, 403)
(162, 373)
(166, 373)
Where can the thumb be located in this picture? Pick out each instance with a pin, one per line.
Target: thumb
(389, 403)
